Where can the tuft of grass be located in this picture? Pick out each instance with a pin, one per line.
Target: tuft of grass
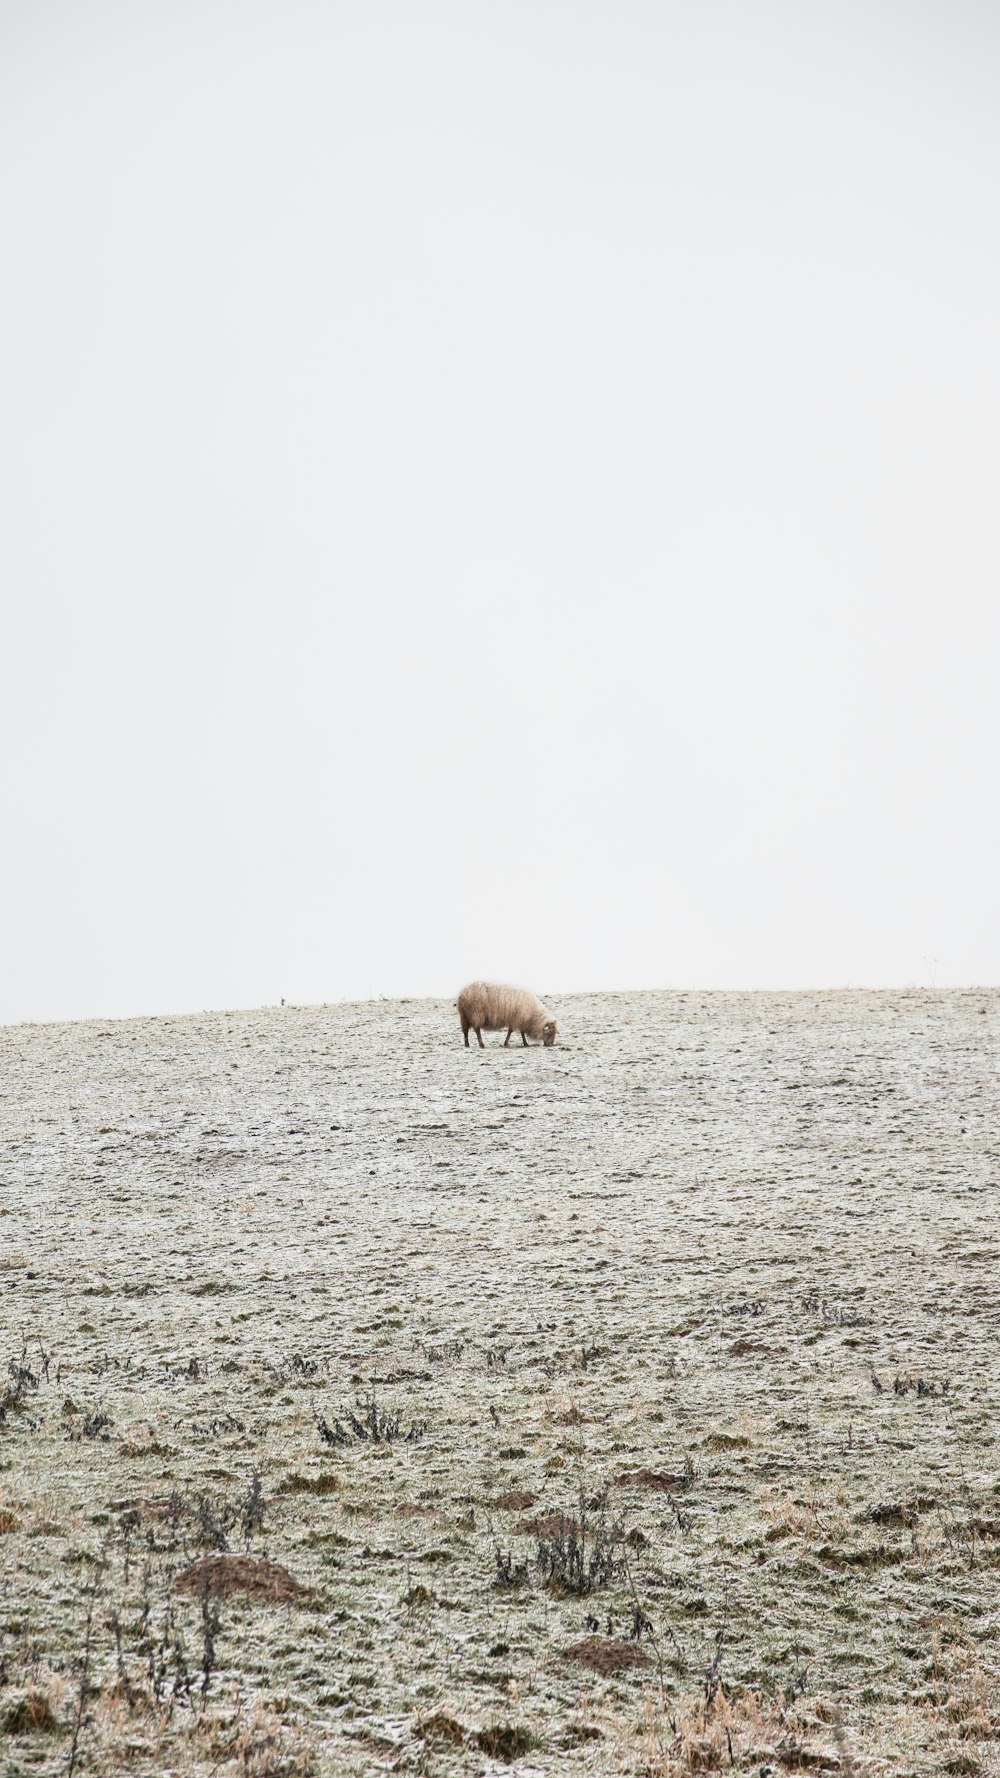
(442, 1728)
(31, 1714)
(506, 1741)
(317, 1485)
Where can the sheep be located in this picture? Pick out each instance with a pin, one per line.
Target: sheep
(490, 1006)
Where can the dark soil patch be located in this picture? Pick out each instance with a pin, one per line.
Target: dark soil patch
(659, 1480)
(607, 1654)
(252, 1575)
(549, 1525)
(516, 1500)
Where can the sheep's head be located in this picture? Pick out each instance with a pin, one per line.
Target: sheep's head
(549, 1033)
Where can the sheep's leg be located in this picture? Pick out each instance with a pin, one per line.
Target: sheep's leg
(480, 1037)
(524, 1040)
(465, 1030)
(508, 1037)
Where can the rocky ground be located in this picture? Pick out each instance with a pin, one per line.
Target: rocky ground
(372, 1404)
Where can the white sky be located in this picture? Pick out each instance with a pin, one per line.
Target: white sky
(496, 489)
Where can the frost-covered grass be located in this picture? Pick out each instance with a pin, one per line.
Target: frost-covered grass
(630, 1406)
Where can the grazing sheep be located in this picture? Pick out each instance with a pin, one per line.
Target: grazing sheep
(487, 1006)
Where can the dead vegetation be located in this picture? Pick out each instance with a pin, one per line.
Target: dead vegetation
(717, 1734)
(371, 1425)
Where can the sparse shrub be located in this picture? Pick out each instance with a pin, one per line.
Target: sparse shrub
(508, 1572)
(252, 1509)
(912, 1383)
(374, 1426)
(298, 1367)
(447, 1353)
(213, 1523)
(22, 1382)
(211, 1624)
(578, 1554)
(588, 1355)
(833, 1314)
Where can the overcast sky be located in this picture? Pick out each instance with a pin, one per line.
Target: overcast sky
(501, 489)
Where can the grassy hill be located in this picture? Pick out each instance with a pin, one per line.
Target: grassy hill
(372, 1404)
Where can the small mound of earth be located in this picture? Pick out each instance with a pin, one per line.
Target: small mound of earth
(549, 1525)
(658, 1479)
(516, 1500)
(442, 1727)
(506, 1742)
(252, 1575)
(607, 1654)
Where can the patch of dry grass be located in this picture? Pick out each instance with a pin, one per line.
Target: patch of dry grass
(717, 1734)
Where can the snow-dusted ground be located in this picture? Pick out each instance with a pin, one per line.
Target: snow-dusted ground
(746, 1244)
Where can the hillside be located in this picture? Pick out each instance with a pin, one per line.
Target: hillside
(629, 1406)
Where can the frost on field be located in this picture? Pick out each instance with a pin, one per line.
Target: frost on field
(369, 1403)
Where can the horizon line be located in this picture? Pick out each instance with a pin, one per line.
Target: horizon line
(910, 987)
